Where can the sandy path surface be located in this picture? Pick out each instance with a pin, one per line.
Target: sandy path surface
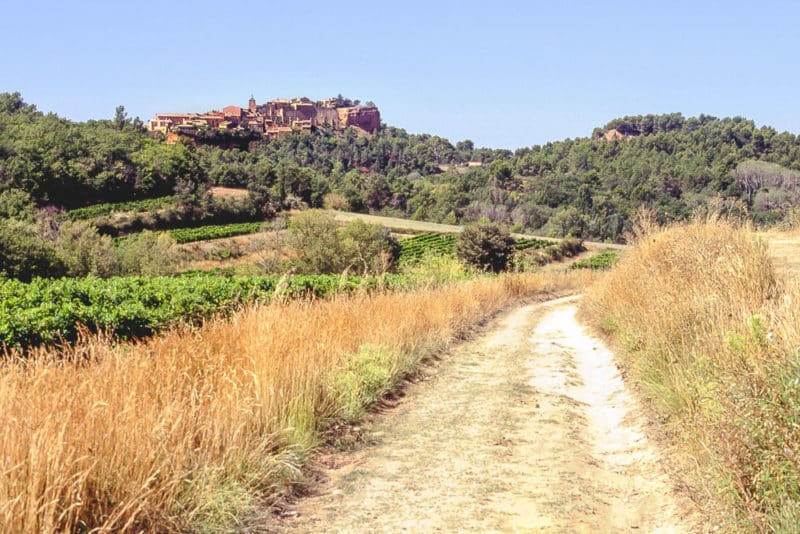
(528, 428)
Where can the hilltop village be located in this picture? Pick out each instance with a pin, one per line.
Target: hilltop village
(273, 118)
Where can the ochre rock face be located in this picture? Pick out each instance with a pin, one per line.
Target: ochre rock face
(367, 119)
(613, 134)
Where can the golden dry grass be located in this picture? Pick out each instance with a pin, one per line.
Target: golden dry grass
(711, 333)
(192, 430)
(784, 248)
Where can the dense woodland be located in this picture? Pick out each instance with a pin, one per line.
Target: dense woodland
(584, 187)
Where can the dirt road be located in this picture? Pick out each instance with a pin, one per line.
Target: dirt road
(528, 428)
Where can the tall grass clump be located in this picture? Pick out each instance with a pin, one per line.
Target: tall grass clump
(194, 430)
(712, 334)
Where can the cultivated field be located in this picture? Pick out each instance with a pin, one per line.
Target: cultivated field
(400, 225)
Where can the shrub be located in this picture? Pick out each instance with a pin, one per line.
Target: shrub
(487, 246)
(313, 236)
(320, 246)
(147, 253)
(368, 247)
(85, 252)
(24, 255)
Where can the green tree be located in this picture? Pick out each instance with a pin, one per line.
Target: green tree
(487, 246)
(17, 204)
(121, 118)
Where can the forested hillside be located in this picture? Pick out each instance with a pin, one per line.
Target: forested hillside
(586, 187)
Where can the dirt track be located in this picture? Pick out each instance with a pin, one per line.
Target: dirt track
(526, 429)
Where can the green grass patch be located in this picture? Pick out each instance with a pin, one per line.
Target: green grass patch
(600, 261)
(365, 377)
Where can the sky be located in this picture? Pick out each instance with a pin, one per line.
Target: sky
(505, 74)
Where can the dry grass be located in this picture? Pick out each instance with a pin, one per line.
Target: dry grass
(237, 192)
(192, 430)
(785, 250)
(712, 334)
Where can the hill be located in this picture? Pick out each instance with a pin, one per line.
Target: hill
(587, 187)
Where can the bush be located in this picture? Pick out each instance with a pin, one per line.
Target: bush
(368, 247)
(147, 254)
(24, 255)
(487, 246)
(85, 252)
(321, 247)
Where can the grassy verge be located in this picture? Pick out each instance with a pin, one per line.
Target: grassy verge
(192, 430)
(712, 335)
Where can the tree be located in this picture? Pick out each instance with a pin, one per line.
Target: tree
(16, 204)
(569, 222)
(13, 102)
(120, 118)
(487, 246)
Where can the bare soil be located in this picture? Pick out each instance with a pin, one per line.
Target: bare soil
(527, 428)
(219, 191)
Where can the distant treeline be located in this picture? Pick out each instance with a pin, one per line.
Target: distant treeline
(585, 187)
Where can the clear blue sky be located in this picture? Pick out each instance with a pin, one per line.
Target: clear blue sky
(502, 73)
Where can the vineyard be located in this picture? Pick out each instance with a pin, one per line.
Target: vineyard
(525, 243)
(99, 210)
(51, 311)
(600, 261)
(416, 247)
(205, 233)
